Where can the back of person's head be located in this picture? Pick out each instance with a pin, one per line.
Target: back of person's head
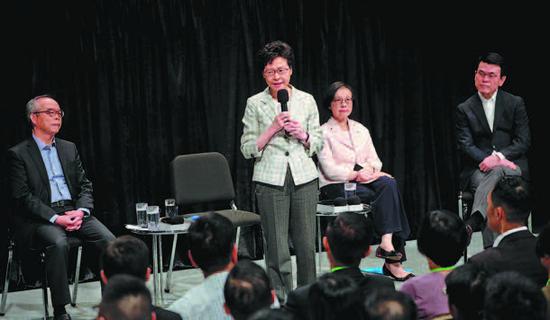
(512, 194)
(513, 296)
(466, 290)
(273, 50)
(496, 59)
(247, 289)
(272, 314)
(125, 255)
(335, 296)
(331, 92)
(543, 242)
(125, 297)
(386, 304)
(349, 237)
(442, 237)
(211, 240)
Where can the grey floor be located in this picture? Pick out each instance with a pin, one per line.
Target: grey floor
(28, 304)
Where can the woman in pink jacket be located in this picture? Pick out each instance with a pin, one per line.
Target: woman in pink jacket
(348, 155)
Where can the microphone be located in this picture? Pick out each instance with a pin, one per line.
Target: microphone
(282, 97)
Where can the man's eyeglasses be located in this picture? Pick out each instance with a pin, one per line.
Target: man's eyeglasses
(271, 72)
(483, 74)
(52, 113)
(347, 100)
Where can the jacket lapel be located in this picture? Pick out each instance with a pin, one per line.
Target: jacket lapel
(63, 158)
(268, 106)
(36, 157)
(499, 110)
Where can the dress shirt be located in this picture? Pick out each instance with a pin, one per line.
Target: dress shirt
(281, 152)
(58, 185)
(204, 301)
(489, 108)
(343, 149)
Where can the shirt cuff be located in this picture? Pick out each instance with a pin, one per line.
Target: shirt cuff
(86, 211)
(53, 218)
(499, 155)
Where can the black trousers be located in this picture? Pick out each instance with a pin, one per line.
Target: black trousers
(54, 238)
(388, 210)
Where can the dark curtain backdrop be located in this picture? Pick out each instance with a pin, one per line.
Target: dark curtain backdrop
(143, 81)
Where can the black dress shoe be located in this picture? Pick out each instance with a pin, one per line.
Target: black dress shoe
(390, 255)
(63, 316)
(388, 273)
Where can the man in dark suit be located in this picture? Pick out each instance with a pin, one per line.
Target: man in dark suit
(130, 255)
(52, 197)
(347, 241)
(514, 248)
(493, 135)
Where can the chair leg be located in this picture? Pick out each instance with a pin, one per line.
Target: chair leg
(6, 282)
(76, 276)
(461, 214)
(44, 285)
(238, 237)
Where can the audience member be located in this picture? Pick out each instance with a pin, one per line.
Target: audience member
(465, 292)
(272, 314)
(514, 248)
(442, 238)
(512, 296)
(543, 252)
(335, 296)
(390, 305)
(346, 241)
(213, 250)
(247, 289)
(130, 255)
(126, 298)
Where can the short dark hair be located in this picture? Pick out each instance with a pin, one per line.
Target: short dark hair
(276, 49)
(543, 242)
(349, 236)
(125, 255)
(512, 193)
(442, 237)
(386, 304)
(466, 290)
(494, 58)
(272, 314)
(331, 91)
(335, 296)
(247, 289)
(511, 295)
(126, 297)
(211, 239)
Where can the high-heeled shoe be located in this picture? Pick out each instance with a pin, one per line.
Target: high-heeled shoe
(388, 273)
(390, 255)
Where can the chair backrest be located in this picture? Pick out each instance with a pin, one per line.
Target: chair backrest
(201, 177)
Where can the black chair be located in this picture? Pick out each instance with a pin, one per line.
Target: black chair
(204, 178)
(73, 243)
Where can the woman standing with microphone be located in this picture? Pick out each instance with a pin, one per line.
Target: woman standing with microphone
(282, 144)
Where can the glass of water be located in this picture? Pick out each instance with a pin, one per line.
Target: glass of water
(170, 208)
(349, 189)
(153, 217)
(141, 214)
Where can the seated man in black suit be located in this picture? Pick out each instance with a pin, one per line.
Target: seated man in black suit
(126, 297)
(347, 241)
(52, 197)
(130, 255)
(493, 136)
(514, 248)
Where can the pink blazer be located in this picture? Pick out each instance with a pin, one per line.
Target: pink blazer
(343, 149)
